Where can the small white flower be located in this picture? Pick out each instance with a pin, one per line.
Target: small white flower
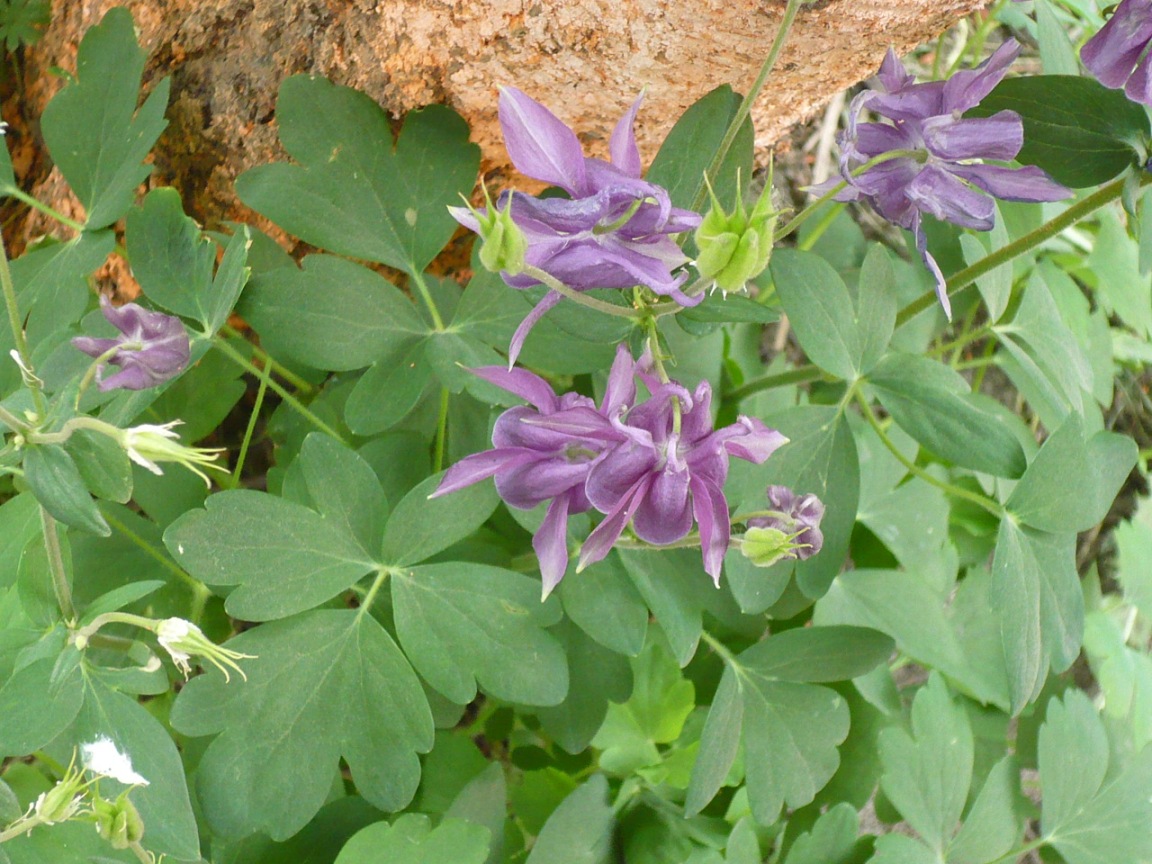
(148, 444)
(102, 757)
(171, 634)
(184, 640)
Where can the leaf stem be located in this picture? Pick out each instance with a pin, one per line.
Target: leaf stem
(250, 429)
(37, 204)
(441, 432)
(17, 325)
(793, 376)
(964, 278)
(197, 587)
(60, 584)
(550, 281)
(957, 492)
(750, 97)
(279, 390)
(720, 648)
(267, 359)
(370, 597)
(426, 296)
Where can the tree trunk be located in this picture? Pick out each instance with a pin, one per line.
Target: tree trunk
(586, 59)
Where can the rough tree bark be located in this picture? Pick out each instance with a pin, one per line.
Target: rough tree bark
(585, 58)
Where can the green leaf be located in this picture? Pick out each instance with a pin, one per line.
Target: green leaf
(933, 404)
(421, 526)
(579, 831)
(995, 286)
(602, 602)
(595, 676)
(52, 283)
(754, 588)
(389, 390)
(39, 702)
(927, 773)
(832, 839)
(1037, 597)
(661, 701)
(484, 801)
(875, 305)
(57, 484)
(995, 821)
(1124, 290)
(163, 804)
(820, 309)
(332, 314)
(1134, 543)
(671, 582)
(353, 192)
(1071, 482)
(1076, 129)
(326, 685)
(103, 464)
(285, 557)
(35, 581)
(718, 308)
(1057, 54)
(412, 840)
(1086, 818)
(468, 624)
(96, 136)
(819, 654)
(692, 144)
(171, 259)
(789, 730)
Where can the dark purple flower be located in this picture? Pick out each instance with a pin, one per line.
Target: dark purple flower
(614, 231)
(941, 169)
(798, 516)
(534, 462)
(663, 477)
(153, 347)
(1119, 54)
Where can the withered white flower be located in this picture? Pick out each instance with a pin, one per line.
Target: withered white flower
(104, 758)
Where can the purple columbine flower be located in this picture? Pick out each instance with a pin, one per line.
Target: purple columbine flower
(664, 476)
(153, 347)
(1119, 55)
(614, 231)
(797, 516)
(941, 169)
(544, 451)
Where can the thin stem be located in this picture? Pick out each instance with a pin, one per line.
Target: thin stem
(276, 388)
(991, 506)
(37, 204)
(426, 296)
(20, 827)
(964, 278)
(793, 376)
(721, 649)
(273, 366)
(250, 430)
(152, 552)
(823, 225)
(441, 432)
(370, 597)
(1016, 854)
(750, 97)
(559, 287)
(17, 325)
(12, 421)
(56, 565)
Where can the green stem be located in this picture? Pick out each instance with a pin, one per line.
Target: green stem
(441, 432)
(426, 296)
(957, 492)
(370, 597)
(964, 278)
(559, 287)
(12, 421)
(151, 551)
(1016, 854)
(56, 565)
(250, 430)
(276, 388)
(793, 376)
(273, 366)
(17, 325)
(37, 204)
(20, 827)
(721, 649)
(750, 97)
(823, 225)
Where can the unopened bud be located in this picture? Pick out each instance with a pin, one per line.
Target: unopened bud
(118, 821)
(735, 247)
(503, 244)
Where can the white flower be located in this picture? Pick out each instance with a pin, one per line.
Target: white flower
(102, 757)
(183, 640)
(149, 443)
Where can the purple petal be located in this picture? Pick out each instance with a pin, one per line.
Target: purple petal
(1111, 54)
(664, 515)
(575, 424)
(1013, 184)
(751, 440)
(933, 268)
(528, 484)
(528, 386)
(711, 510)
(612, 477)
(539, 143)
(600, 541)
(997, 137)
(467, 218)
(620, 392)
(477, 467)
(893, 76)
(551, 545)
(525, 326)
(1139, 86)
(939, 193)
(94, 347)
(622, 145)
(967, 87)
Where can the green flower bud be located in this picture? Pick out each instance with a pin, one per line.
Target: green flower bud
(735, 247)
(118, 821)
(765, 546)
(503, 244)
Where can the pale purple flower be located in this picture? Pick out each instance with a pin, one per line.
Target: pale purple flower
(1119, 55)
(795, 515)
(662, 479)
(614, 231)
(534, 462)
(154, 347)
(941, 170)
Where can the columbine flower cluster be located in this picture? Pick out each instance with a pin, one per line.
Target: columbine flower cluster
(938, 159)
(613, 231)
(657, 464)
(152, 347)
